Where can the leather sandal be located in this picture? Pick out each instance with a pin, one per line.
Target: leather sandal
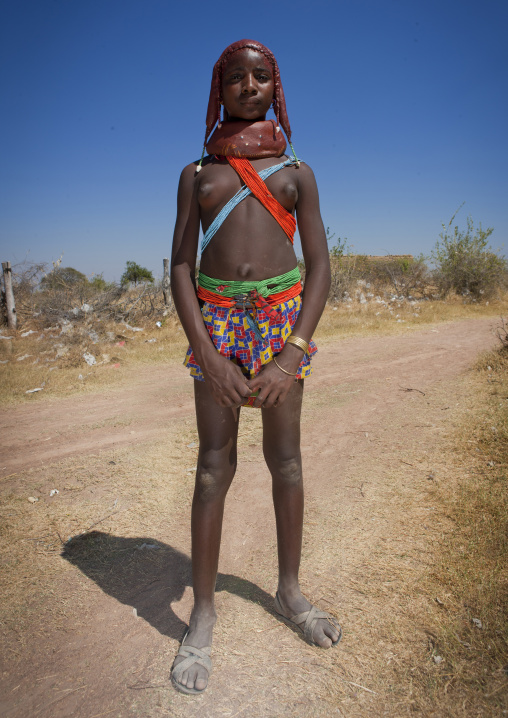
(309, 619)
(191, 655)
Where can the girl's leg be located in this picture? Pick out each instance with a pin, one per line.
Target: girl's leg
(217, 430)
(281, 446)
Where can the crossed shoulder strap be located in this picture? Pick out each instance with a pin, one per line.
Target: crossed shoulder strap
(255, 185)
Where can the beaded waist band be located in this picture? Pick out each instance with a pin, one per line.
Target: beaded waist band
(274, 290)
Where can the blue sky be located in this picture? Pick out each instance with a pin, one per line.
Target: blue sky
(399, 106)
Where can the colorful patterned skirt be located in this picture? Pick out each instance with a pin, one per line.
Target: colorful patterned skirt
(250, 344)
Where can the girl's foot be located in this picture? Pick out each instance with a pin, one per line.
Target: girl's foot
(194, 679)
(319, 627)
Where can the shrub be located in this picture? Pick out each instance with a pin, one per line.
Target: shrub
(343, 269)
(135, 274)
(465, 263)
(408, 276)
(62, 278)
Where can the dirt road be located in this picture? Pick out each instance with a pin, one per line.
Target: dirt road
(95, 636)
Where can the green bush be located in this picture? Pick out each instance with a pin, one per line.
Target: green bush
(136, 274)
(465, 262)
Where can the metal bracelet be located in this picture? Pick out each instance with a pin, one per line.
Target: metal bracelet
(298, 342)
(289, 373)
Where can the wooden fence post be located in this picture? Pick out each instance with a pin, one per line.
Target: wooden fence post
(166, 284)
(12, 320)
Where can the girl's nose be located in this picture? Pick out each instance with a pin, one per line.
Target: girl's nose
(249, 84)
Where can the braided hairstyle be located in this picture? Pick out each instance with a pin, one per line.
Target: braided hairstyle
(279, 103)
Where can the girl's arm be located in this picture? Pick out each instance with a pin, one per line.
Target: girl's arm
(272, 382)
(225, 379)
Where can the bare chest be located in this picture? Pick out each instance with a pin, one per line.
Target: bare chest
(220, 183)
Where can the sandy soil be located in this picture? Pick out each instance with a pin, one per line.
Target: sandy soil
(374, 409)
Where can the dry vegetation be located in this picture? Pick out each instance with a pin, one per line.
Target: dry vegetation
(121, 327)
(468, 579)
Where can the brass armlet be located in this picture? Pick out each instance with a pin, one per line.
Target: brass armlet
(300, 343)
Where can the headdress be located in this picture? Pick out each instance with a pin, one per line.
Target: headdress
(214, 103)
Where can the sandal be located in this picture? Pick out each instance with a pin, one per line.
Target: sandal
(309, 618)
(191, 655)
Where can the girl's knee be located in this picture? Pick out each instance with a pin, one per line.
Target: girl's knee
(285, 469)
(214, 475)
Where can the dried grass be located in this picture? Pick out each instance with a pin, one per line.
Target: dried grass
(348, 319)
(55, 353)
(472, 573)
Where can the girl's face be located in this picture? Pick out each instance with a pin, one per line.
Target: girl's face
(247, 85)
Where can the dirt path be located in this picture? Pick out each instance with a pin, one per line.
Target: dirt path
(371, 403)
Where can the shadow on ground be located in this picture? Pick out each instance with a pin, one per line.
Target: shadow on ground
(149, 576)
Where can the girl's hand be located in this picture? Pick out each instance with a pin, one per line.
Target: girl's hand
(272, 382)
(225, 380)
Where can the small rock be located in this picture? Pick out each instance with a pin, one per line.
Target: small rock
(147, 546)
(437, 659)
(476, 622)
(191, 445)
(33, 499)
(86, 308)
(53, 492)
(80, 377)
(133, 329)
(89, 358)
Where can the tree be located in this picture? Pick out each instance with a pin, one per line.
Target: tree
(465, 262)
(134, 273)
(98, 283)
(63, 278)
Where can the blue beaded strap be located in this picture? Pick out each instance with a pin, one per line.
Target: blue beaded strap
(239, 196)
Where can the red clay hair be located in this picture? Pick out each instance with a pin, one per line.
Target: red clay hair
(279, 103)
